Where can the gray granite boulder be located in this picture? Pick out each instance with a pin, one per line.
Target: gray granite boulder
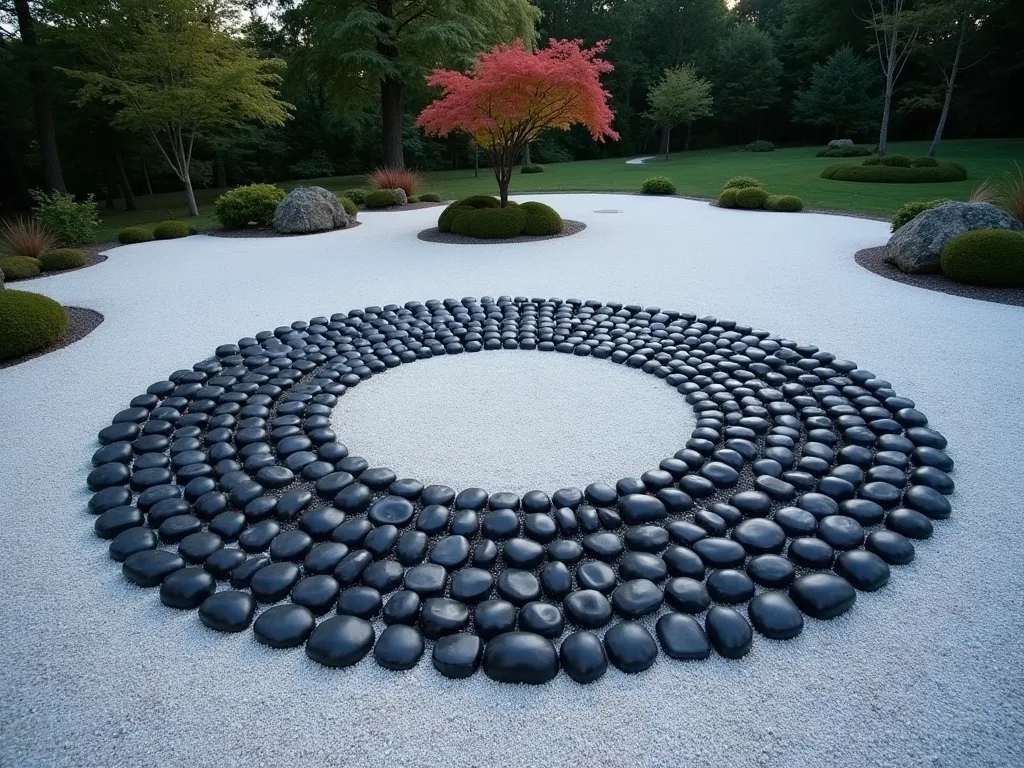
(838, 143)
(917, 245)
(400, 197)
(309, 209)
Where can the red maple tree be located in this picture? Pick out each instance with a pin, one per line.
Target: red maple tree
(511, 95)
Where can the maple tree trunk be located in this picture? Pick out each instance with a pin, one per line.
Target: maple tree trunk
(145, 175)
(220, 173)
(950, 84)
(122, 179)
(666, 140)
(391, 117)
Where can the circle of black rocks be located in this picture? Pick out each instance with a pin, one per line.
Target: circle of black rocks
(804, 481)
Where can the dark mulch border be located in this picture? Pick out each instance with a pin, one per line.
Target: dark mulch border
(92, 258)
(872, 260)
(268, 232)
(81, 322)
(400, 208)
(433, 235)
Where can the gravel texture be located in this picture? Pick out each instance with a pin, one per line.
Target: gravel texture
(81, 322)
(924, 672)
(548, 401)
(434, 235)
(873, 260)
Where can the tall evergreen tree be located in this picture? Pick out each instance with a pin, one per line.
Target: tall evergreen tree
(839, 94)
(747, 74)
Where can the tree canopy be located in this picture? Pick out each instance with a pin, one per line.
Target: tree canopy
(840, 94)
(681, 96)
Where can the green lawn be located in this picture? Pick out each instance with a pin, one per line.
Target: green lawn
(696, 174)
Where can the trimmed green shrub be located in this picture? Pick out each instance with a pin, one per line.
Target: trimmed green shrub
(784, 203)
(884, 174)
(892, 161)
(28, 322)
(541, 220)
(132, 235)
(751, 198)
(658, 185)
(380, 198)
(742, 182)
(728, 198)
(357, 196)
(489, 223)
(444, 221)
(844, 152)
(20, 267)
(910, 211)
(924, 162)
(71, 222)
(430, 197)
(759, 146)
(412, 199)
(249, 206)
(992, 257)
(61, 259)
(171, 230)
(532, 169)
(349, 205)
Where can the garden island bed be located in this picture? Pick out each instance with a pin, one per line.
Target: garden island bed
(435, 235)
(81, 322)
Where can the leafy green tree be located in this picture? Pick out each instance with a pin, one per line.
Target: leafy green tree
(680, 97)
(747, 74)
(391, 43)
(172, 70)
(839, 94)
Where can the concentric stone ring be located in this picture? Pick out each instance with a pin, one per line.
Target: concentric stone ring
(803, 481)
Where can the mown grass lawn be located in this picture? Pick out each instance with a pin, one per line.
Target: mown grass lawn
(695, 174)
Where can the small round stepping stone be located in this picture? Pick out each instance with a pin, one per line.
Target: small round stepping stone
(823, 595)
(150, 567)
(458, 656)
(636, 597)
(494, 617)
(682, 637)
(542, 618)
(630, 647)
(340, 641)
(442, 616)
(521, 657)
(894, 548)
(284, 626)
(403, 607)
(398, 648)
(187, 588)
(582, 656)
(865, 570)
(228, 611)
(775, 616)
(728, 631)
(318, 593)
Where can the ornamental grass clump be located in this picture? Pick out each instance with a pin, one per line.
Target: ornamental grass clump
(395, 178)
(26, 237)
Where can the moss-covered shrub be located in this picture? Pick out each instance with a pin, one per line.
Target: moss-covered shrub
(924, 162)
(248, 206)
(349, 205)
(784, 203)
(907, 212)
(489, 223)
(444, 221)
(60, 259)
(993, 257)
(20, 267)
(412, 199)
(658, 185)
(886, 174)
(171, 230)
(760, 146)
(430, 197)
(742, 182)
(357, 196)
(28, 322)
(728, 198)
(845, 152)
(541, 220)
(380, 198)
(890, 161)
(532, 169)
(132, 235)
(751, 198)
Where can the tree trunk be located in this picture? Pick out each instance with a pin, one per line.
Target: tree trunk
(52, 176)
(950, 84)
(526, 155)
(220, 173)
(391, 116)
(689, 130)
(18, 185)
(190, 196)
(124, 182)
(111, 182)
(145, 175)
(666, 139)
(883, 134)
(476, 160)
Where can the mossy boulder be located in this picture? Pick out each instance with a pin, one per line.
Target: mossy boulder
(992, 257)
(306, 210)
(28, 322)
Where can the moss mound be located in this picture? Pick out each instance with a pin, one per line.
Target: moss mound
(907, 212)
(61, 259)
(845, 152)
(742, 182)
(728, 198)
(248, 206)
(892, 161)
(131, 235)
(380, 198)
(541, 220)
(430, 197)
(993, 257)
(357, 196)
(751, 198)
(760, 146)
(489, 223)
(444, 221)
(532, 169)
(924, 162)
(349, 205)
(784, 203)
(20, 267)
(658, 185)
(890, 174)
(29, 322)
(171, 230)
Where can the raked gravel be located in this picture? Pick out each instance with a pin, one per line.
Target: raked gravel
(95, 672)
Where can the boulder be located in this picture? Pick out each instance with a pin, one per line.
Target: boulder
(838, 143)
(916, 246)
(309, 209)
(400, 197)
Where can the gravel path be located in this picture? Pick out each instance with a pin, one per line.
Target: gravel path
(927, 671)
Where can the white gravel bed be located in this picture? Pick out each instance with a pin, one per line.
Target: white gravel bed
(926, 672)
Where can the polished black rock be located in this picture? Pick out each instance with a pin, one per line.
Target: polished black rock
(596, 575)
(403, 607)
(426, 580)
(399, 647)
(441, 616)
(458, 656)
(471, 585)
(340, 641)
(542, 618)
(630, 647)
(775, 616)
(822, 595)
(892, 547)
(228, 611)
(495, 617)
(582, 656)
(759, 536)
(517, 586)
(187, 588)
(728, 631)
(730, 586)
(274, 582)
(682, 637)
(588, 608)
(772, 571)
(636, 597)
(284, 626)
(865, 570)
(318, 593)
(521, 657)
(150, 567)
(129, 542)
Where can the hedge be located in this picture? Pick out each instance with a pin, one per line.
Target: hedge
(171, 230)
(19, 267)
(992, 257)
(844, 152)
(132, 235)
(728, 198)
(541, 220)
(490, 223)
(60, 259)
(784, 203)
(760, 146)
(28, 322)
(248, 206)
(886, 174)
(357, 196)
